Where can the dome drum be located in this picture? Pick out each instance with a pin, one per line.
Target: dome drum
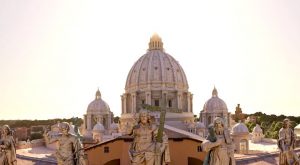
(179, 101)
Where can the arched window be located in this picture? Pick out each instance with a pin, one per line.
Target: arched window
(243, 146)
(170, 103)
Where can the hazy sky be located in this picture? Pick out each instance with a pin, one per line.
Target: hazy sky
(55, 54)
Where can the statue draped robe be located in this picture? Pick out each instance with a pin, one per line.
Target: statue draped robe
(70, 151)
(221, 151)
(144, 150)
(8, 153)
(286, 142)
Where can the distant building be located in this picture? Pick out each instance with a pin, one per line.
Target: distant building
(21, 133)
(38, 129)
(98, 122)
(214, 107)
(240, 136)
(257, 134)
(98, 111)
(238, 114)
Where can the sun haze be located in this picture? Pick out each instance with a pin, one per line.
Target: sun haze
(55, 54)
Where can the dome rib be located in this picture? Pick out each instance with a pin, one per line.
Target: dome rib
(149, 70)
(129, 77)
(139, 68)
(162, 67)
(183, 76)
(173, 69)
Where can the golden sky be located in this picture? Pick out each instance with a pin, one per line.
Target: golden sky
(55, 54)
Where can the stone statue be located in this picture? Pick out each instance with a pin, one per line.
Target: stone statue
(7, 146)
(70, 150)
(218, 145)
(145, 149)
(286, 143)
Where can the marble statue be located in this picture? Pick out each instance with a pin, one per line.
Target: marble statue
(286, 144)
(146, 149)
(7, 146)
(218, 145)
(70, 150)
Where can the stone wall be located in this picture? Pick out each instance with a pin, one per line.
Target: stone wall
(30, 144)
(269, 140)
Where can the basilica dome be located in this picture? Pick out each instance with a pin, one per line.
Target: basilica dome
(215, 104)
(156, 67)
(98, 106)
(156, 79)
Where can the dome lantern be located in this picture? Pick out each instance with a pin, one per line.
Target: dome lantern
(155, 43)
(214, 92)
(98, 95)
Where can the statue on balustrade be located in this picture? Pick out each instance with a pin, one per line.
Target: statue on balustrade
(70, 150)
(218, 145)
(148, 147)
(286, 145)
(7, 147)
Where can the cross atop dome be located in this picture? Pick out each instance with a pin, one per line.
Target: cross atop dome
(155, 43)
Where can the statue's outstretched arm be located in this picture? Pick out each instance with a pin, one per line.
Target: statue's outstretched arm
(49, 139)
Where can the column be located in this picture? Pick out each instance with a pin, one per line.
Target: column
(189, 102)
(179, 102)
(109, 120)
(89, 122)
(124, 103)
(133, 103)
(148, 97)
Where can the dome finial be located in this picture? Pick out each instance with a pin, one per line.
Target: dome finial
(98, 94)
(155, 42)
(214, 92)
